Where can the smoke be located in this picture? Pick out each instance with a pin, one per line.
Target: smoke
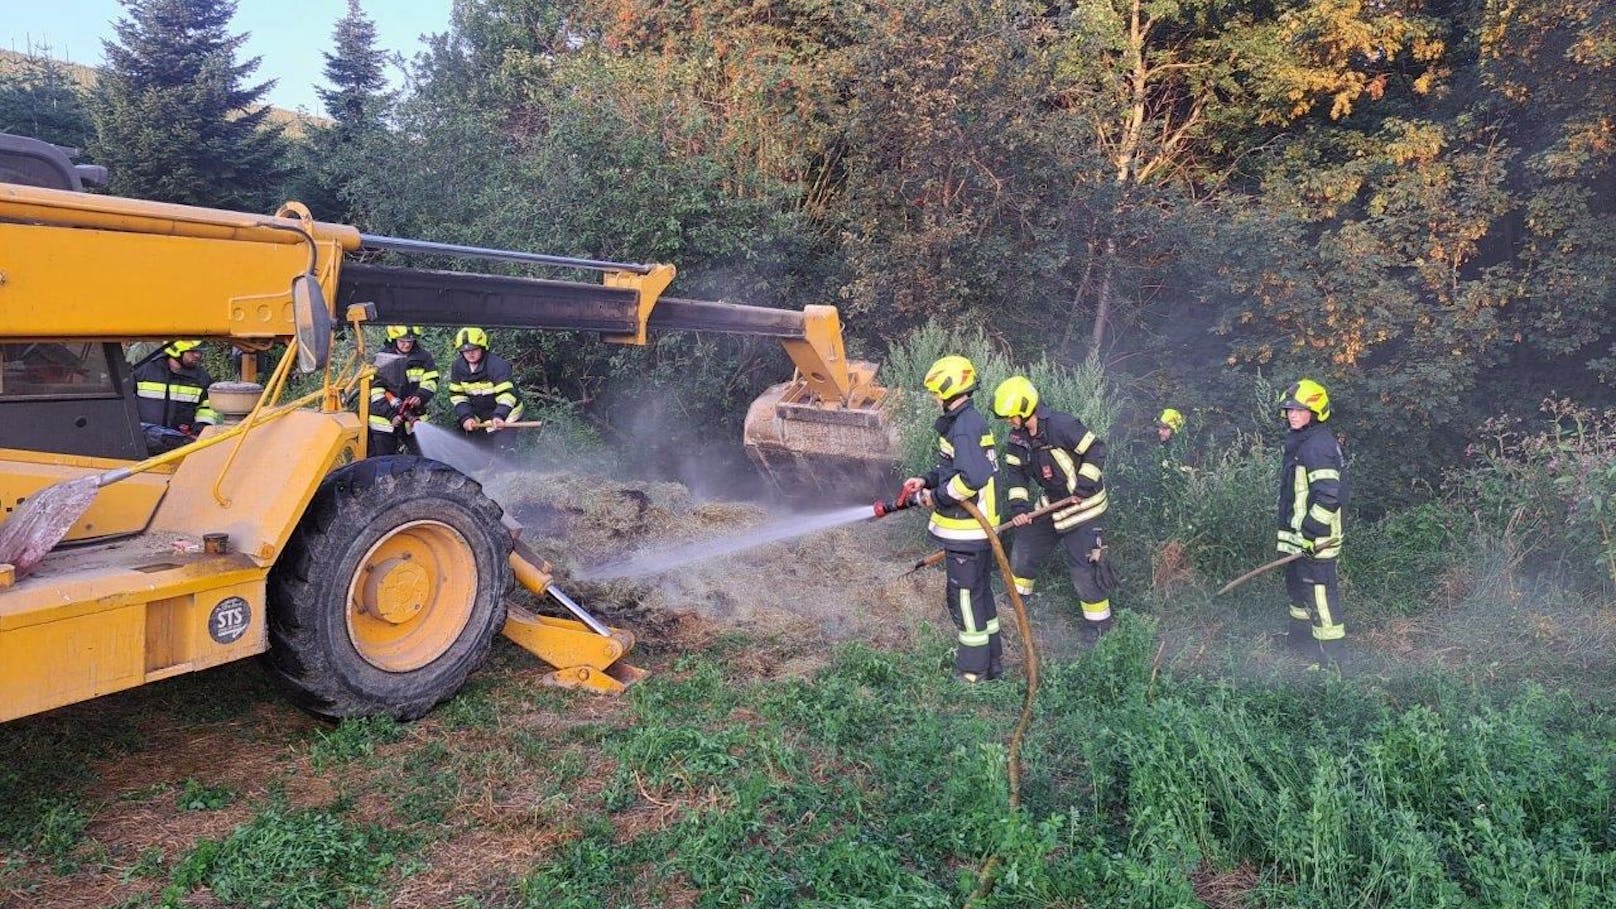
(688, 429)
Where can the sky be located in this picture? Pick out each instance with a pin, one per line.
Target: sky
(291, 45)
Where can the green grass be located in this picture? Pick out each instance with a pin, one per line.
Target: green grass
(286, 857)
(352, 740)
(200, 797)
(880, 782)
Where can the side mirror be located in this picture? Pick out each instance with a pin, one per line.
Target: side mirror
(313, 320)
(392, 370)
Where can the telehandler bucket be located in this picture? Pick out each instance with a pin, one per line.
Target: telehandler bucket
(808, 446)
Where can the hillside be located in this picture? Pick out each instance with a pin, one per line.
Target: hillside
(295, 122)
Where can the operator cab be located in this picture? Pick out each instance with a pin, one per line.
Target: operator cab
(68, 397)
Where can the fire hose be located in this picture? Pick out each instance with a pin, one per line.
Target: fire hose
(986, 878)
(989, 873)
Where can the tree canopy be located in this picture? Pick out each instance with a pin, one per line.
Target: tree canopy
(1412, 201)
(176, 118)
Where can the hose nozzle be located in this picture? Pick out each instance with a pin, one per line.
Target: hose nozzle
(906, 498)
(888, 506)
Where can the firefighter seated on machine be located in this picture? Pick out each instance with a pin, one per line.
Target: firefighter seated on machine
(171, 396)
(392, 419)
(420, 382)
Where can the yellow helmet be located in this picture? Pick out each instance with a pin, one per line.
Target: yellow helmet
(1171, 419)
(471, 337)
(394, 332)
(1307, 395)
(951, 376)
(178, 347)
(1015, 397)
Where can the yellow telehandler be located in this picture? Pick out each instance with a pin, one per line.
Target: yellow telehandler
(372, 585)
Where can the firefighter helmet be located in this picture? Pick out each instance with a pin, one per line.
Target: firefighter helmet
(467, 338)
(1171, 419)
(1015, 397)
(950, 377)
(174, 349)
(394, 332)
(1307, 395)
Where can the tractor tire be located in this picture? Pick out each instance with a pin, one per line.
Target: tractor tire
(390, 590)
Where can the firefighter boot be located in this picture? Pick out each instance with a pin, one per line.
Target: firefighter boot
(1299, 638)
(1093, 630)
(1334, 654)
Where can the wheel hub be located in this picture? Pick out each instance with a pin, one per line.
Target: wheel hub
(396, 590)
(412, 595)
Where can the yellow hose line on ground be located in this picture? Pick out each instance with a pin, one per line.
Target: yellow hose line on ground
(989, 873)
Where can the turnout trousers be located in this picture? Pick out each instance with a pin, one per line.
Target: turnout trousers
(1314, 588)
(970, 605)
(391, 443)
(1033, 543)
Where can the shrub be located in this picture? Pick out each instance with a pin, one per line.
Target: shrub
(1556, 487)
(1081, 390)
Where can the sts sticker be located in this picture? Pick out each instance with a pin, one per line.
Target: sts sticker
(229, 620)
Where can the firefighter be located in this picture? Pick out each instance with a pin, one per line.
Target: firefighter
(967, 463)
(171, 396)
(1052, 456)
(1312, 490)
(481, 387)
(1168, 499)
(404, 405)
(1169, 423)
(389, 420)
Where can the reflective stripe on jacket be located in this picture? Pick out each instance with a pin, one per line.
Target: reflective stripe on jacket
(966, 467)
(421, 372)
(486, 392)
(178, 400)
(384, 406)
(1312, 491)
(1064, 459)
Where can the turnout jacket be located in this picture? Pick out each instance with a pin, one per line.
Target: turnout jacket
(178, 400)
(421, 381)
(1063, 459)
(966, 466)
(485, 392)
(1312, 489)
(385, 405)
(421, 370)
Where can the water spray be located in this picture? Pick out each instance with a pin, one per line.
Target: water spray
(659, 561)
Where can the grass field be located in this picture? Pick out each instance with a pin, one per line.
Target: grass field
(1181, 763)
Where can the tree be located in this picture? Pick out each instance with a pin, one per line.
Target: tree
(951, 178)
(175, 120)
(332, 159)
(355, 100)
(1174, 93)
(39, 98)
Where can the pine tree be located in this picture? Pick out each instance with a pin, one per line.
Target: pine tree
(355, 100)
(39, 98)
(337, 155)
(175, 118)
